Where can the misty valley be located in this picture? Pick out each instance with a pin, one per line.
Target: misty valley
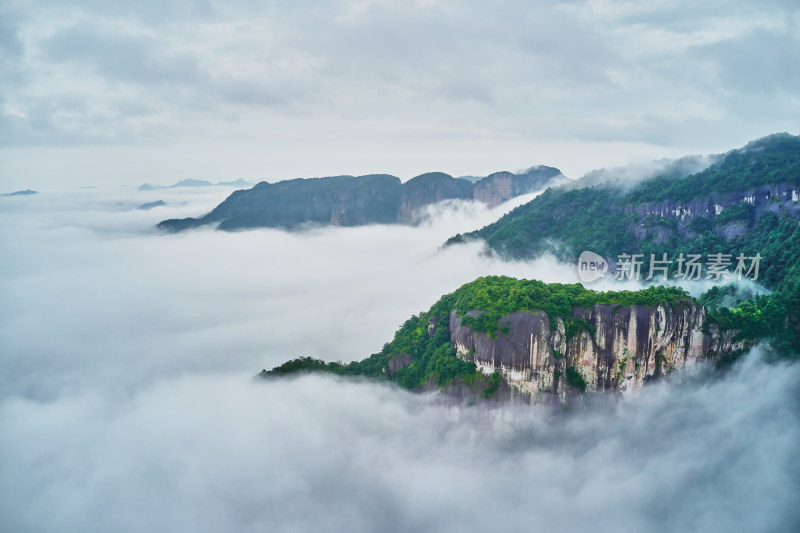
(399, 266)
(135, 320)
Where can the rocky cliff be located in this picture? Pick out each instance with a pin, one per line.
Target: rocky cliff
(619, 349)
(525, 341)
(355, 201)
(429, 189)
(499, 187)
(751, 203)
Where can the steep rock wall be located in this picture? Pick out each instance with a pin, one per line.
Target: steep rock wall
(629, 346)
(499, 187)
(429, 189)
(780, 198)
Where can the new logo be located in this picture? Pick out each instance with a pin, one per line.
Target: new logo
(591, 266)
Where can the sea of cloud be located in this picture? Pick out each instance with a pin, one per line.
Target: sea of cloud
(127, 404)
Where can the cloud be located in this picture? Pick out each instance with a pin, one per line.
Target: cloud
(216, 453)
(428, 81)
(127, 404)
(124, 57)
(80, 253)
(10, 43)
(633, 174)
(761, 62)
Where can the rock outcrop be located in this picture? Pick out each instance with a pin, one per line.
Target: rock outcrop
(500, 187)
(777, 198)
(429, 189)
(618, 348)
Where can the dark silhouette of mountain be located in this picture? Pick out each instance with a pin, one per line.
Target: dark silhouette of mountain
(150, 205)
(242, 183)
(26, 192)
(354, 201)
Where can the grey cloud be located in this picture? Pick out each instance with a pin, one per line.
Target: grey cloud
(10, 43)
(761, 62)
(481, 49)
(250, 92)
(150, 12)
(124, 57)
(381, 76)
(687, 17)
(70, 120)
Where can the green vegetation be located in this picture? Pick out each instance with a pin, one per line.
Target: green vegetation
(564, 222)
(738, 212)
(604, 219)
(575, 326)
(773, 159)
(576, 379)
(289, 203)
(426, 337)
(494, 379)
(497, 296)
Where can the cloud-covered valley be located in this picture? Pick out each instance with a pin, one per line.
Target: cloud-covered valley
(127, 404)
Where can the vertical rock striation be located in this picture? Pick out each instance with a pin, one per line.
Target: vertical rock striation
(617, 348)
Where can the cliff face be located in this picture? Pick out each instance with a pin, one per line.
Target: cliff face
(778, 198)
(429, 189)
(354, 201)
(499, 187)
(621, 349)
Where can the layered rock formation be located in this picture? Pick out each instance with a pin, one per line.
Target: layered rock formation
(619, 349)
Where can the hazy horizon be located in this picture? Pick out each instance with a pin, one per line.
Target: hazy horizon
(106, 93)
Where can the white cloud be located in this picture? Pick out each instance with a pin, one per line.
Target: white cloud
(127, 404)
(92, 272)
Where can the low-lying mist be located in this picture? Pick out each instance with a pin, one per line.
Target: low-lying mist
(95, 294)
(127, 404)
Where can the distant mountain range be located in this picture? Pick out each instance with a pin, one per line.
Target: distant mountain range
(523, 340)
(150, 205)
(354, 201)
(196, 183)
(26, 192)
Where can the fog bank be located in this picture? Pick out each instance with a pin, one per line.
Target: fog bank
(127, 404)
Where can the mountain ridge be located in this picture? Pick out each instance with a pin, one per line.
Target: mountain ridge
(746, 202)
(536, 342)
(353, 201)
(526, 340)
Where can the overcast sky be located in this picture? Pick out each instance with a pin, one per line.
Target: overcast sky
(101, 92)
